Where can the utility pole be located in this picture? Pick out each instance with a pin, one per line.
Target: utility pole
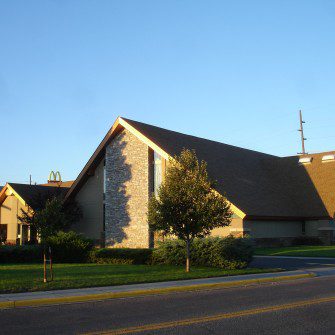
(30, 179)
(303, 139)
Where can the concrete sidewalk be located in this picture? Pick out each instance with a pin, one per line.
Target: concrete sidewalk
(108, 292)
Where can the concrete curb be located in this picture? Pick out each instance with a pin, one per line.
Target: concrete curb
(113, 295)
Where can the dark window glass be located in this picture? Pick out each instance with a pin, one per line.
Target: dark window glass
(3, 233)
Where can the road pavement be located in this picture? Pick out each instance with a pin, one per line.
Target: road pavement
(304, 306)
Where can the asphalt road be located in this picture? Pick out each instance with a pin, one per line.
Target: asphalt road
(305, 306)
(291, 263)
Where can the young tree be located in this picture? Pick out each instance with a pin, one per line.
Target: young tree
(50, 215)
(186, 205)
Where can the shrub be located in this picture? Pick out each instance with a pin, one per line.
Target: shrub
(69, 247)
(231, 253)
(121, 256)
(228, 253)
(307, 240)
(170, 252)
(21, 254)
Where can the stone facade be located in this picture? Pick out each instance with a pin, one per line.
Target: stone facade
(127, 192)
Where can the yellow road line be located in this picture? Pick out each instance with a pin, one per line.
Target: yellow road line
(167, 290)
(192, 321)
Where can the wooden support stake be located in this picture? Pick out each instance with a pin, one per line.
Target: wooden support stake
(50, 260)
(44, 267)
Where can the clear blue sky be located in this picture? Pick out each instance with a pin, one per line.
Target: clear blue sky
(232, 71)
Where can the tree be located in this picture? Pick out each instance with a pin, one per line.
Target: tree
(50, 215)
(186, 205)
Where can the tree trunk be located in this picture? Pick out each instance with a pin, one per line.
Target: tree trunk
(187, 255)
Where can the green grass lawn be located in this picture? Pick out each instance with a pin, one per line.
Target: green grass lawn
(29, 277)
(302, 251)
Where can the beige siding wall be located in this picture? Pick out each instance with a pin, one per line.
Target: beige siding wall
(9, 211)
(314, 227)
(273, 229)
(127, 192)
(90, 199)
(235, 228)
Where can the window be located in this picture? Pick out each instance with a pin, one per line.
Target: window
(105, 179)
(104, 217)
(3, 233)
(104, 199)
(328, 158)
(305, 160)
(157, 172)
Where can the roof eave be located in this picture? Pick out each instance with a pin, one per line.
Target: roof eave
(3, 194)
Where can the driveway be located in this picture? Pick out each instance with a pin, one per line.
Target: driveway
(291, 263)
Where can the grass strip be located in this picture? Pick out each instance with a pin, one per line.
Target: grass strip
(113, 295)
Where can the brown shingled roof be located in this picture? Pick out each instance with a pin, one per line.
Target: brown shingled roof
(32, 194)
(322, 175)
(261, 185)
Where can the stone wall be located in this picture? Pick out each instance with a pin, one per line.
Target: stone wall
(127, 192)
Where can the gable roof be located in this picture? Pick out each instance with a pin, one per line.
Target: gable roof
(30, 194)
(260, 185)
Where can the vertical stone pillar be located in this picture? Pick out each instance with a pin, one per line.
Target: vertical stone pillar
(127, 192)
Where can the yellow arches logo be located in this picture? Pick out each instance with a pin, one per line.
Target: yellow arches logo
(54, 177)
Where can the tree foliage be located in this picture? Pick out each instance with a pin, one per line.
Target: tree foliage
(50, 216)
(187, 206)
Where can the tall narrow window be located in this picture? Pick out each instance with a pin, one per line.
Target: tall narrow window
(103, 217)
(104, 178)
(104, 203)
(157, 172)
